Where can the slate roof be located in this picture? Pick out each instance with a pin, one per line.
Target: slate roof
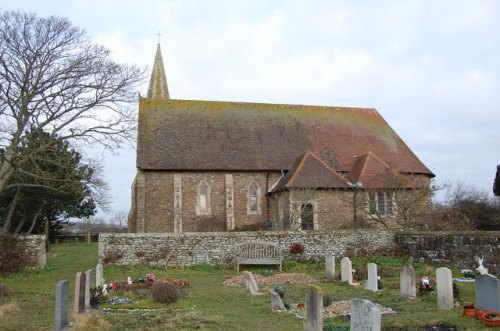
(190, 135)
(309, 171)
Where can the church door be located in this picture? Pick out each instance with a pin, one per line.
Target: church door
(306, 216)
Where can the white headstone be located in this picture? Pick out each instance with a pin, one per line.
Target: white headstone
(365, 316)
(372, 282)
(251, 284)
(99, 275)
(314, 309)
(276, 303)
(444, 288)
(346, 270)
(330, 266)
(408, 281)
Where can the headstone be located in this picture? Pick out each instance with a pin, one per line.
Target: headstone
(62, 289)
(276, 303)
(408, 281)
(330, 266)
(444, 284)
(365, 316)
(372, 282)
(79, 306)
(488, 293)
(251, 284)
(314, 309)
(99, 275)
(88, 287)
(346, 270)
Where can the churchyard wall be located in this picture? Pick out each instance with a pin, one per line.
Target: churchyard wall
(22, 251)
(218, 247)
(456, 249)
(452, 248)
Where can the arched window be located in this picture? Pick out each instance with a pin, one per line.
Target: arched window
(253, 205)
(203, 201)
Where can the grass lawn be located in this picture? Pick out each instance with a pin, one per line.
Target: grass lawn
(209, 305)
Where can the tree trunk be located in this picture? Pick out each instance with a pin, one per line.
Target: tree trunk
(33, 222)
(6, 172)
(10, 214)
(21, 223)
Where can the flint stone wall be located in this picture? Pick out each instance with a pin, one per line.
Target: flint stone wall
(31, 249)
(216, 248)
(457, 249)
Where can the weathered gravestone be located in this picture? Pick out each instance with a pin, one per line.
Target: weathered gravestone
(250, 283)
(488, 293)
(365, 316)
(61, 319)
(99, 275)
(314, 307)
(88, 287)
(408, 281)
(372, 282)
(276, 303)
(330, 266)
(444, 284)
(346, 270)
(79, 306)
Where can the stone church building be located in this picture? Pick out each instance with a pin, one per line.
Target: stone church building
(224, 166)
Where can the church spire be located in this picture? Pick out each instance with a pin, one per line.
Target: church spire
(158, 88)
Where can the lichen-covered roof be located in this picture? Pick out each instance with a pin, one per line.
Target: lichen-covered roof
(308, 171)
(209, 135)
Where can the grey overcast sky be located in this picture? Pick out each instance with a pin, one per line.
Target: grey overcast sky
(431, 68)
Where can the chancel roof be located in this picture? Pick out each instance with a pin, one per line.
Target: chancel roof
(196, 135)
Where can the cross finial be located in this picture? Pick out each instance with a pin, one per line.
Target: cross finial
(159, 35)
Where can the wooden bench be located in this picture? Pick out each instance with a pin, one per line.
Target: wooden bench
(258, 252)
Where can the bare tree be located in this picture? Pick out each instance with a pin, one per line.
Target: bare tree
(119, 219)
(55, 79)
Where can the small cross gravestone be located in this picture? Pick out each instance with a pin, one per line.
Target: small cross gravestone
(99, 275)
(61, 318)
(346, 270)
(488, 293)
(365, 316)
(330, 267)
(276, 303)
(372, 282)
(79, 306)
(408, 281)
(250, 283)
(444, 288)
(314, 309)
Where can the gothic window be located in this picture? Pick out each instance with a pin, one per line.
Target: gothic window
(253, 205)
(307, 217)
(203, 203)
(381, 203)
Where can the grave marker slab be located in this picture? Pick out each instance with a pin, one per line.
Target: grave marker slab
(372, 282)
(88, 287)
(314, 307)
(276, 303)
(488, 293)
(444, 288)
(365, 316)
(346, 270)
(330, 267)
(99, 275)
(61, 318)
(251, 284)
(79, 306)
(408, 281)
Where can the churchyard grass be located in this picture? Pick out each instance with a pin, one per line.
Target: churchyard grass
(208, 305)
